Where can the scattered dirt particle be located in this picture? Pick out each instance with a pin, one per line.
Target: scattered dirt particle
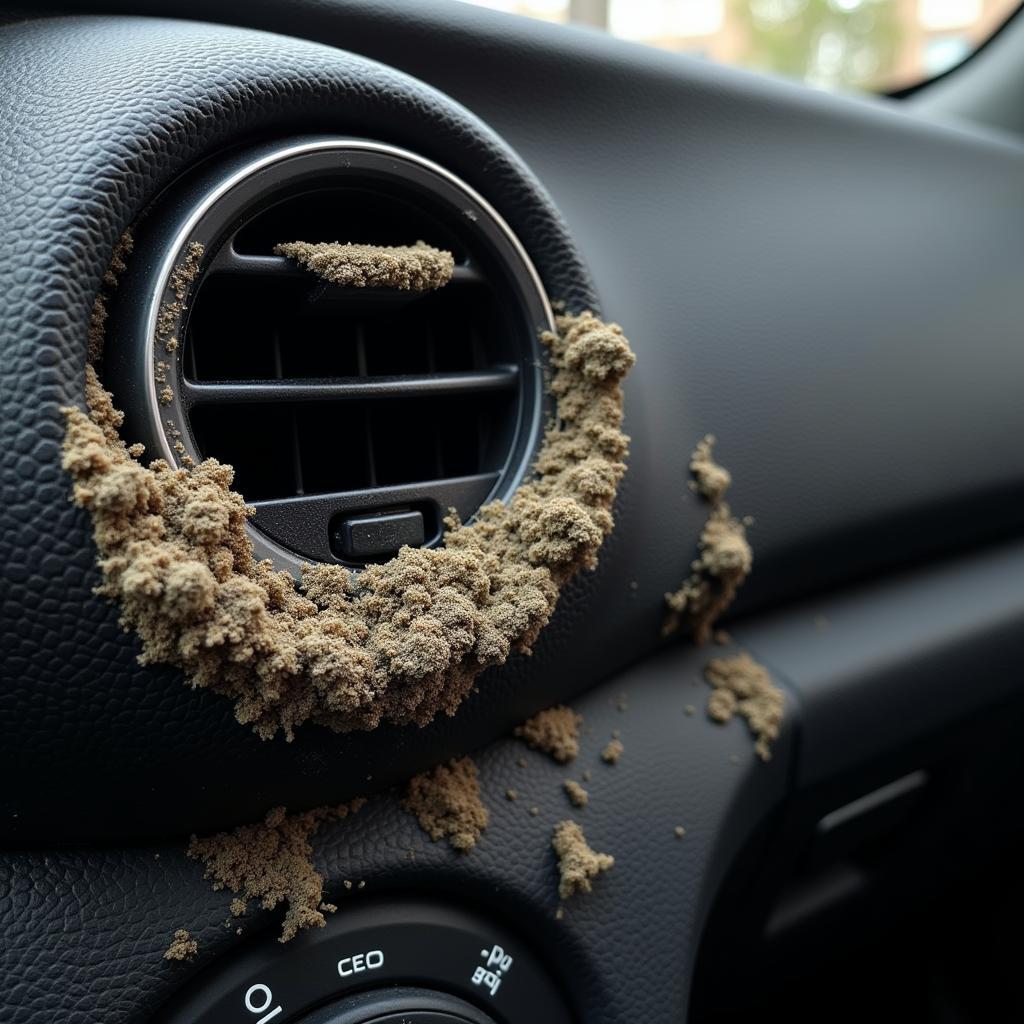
(689, 710)
(271, 863)
(724, 559)
(578, 796)
(585, 776)
(612, 752)
(578, 864)
(744, 687)
(182, 947)
(709, 478)
(560, 913)
(400, 642)
(170, 312)
(185, 272)
(416, 268)
(554, 731)
(446, 802)
(97, 328)
(534, 811)
(118, 260)
(98, 317)
(511, 794)
(621, 704)
(521, 762)
(679, 831)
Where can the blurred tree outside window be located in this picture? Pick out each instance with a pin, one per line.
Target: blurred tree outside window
(877, 45)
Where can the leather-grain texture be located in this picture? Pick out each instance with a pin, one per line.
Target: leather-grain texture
(829, 285)
(837, 424)
(98, 116)
(85, 929)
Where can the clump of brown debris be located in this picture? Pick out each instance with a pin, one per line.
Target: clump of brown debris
(446, 802)
(98, 317)
(271, 863)
(613, 750)
(170, 312)
(744, 687)
(554, 731)
(577, 795)
(709, 478)
(578, 864)
(416, 268)
(400, 642)
(182, 947)
(724, 557)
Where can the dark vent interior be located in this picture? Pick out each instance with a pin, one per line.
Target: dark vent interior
(339, 405)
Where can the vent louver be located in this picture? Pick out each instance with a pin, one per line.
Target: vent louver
(354, 418)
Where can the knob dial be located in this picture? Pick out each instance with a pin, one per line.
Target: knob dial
(399, 1006)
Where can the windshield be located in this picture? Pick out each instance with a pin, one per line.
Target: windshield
(878, 45)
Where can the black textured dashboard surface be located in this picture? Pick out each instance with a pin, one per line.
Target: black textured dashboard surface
(829, 285)
(85, 929)
(776, 256)
(98, 115)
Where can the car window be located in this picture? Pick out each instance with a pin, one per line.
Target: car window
(878, 45)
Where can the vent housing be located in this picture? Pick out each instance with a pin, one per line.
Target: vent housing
(354, 418)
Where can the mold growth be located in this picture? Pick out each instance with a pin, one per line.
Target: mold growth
(554, 731)
(272, 863)
(416, 268)
(744, 687)
(578, 864)
(182, 947)
(400, 642)
(446, 802)
(724, 557)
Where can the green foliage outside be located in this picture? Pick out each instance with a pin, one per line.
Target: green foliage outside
(841, 44)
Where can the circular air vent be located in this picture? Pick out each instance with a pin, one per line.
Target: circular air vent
(355, 418)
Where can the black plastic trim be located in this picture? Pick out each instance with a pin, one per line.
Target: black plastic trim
(419, 944)
(303, 522)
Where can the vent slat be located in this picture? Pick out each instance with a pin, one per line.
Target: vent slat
(500, 378)
(371, 456)
(293, 425)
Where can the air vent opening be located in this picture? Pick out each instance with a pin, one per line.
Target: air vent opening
(355, 418)
(367, 210)
(245, 327)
